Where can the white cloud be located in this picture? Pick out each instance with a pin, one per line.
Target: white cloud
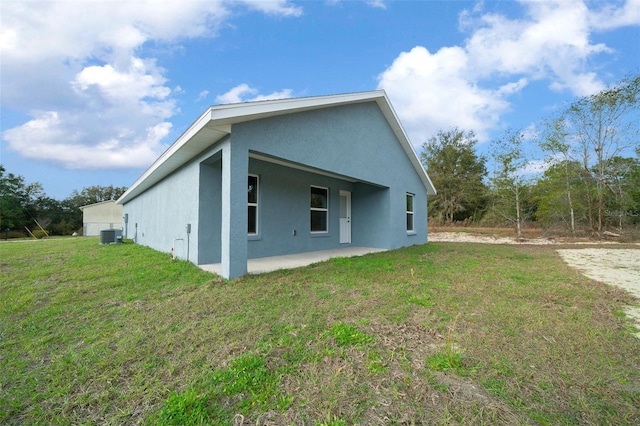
(433, 92)
(57, 143)
(99, 29)
(530, 134)
(611, 17)
(378, 4)
(76, 69)
(452, 87)
(245, 93)
(275, 7)
(142, 79)
(202, 95)
(534, 167)
(283, 94)
(236, 94)
(551, 43)
(118, 120)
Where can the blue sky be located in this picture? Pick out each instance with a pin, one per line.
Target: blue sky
(92, 92)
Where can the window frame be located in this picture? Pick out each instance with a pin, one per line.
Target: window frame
(410, 213)
(256, 205)
(319, 209)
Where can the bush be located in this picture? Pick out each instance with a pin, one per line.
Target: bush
(39, 234)
(64, 227)
(13, 234)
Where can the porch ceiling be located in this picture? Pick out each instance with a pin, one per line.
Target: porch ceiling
(305, 168)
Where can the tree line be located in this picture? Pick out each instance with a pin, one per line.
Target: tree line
(589, 178)
(26, 208)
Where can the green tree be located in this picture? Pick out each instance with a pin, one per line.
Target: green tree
(57, 217)
(18, 201)
(511, 189)
(458, 173)
(622, 179)
(559, 196)
(14, 199)
(563, 178)
(96, 194)
(22, 205)
(605, 125)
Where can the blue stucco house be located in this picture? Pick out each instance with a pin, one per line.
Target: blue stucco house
(272, 178)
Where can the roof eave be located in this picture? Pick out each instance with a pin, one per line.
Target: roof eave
(96, 204)
(179, 153)
(396, 126)
(217, 121)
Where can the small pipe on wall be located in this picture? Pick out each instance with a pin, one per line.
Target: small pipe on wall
(173, 247)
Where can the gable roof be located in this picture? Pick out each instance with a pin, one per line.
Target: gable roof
(215, 123)
(96, 204)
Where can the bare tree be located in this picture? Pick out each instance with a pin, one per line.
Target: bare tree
(605, 125)
(510, 186)
(554, 142)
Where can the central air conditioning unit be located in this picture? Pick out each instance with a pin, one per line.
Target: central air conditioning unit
(110, 236)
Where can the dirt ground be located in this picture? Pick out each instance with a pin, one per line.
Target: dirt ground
(608, 264)
(613, 266)
(464, 237)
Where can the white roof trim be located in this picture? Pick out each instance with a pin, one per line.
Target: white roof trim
(217, 120)
(96, 204)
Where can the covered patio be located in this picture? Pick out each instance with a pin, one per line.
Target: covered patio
(274, 263)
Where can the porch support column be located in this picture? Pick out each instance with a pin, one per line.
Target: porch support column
(235, 168)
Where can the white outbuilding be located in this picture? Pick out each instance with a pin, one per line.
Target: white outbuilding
(100, 216)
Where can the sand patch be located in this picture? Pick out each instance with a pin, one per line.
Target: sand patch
(463, 237)
(617, 267)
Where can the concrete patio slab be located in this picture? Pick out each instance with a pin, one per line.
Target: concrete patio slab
(274, 263)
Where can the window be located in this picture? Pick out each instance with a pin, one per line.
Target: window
(410, 212)
(252, 204)
(319, 209)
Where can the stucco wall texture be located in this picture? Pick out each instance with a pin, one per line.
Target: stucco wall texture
(349, 148)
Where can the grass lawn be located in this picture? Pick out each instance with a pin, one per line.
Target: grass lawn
(441, 334)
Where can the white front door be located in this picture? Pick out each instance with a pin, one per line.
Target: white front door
(345, 217)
